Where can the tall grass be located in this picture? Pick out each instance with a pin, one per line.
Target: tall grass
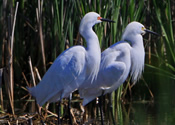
(166, 52)
(44, 29)
(123, 13)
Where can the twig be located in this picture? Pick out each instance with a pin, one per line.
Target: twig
(152, 96)
(13, 29)
(25, 79)
(31, 70)
(50, 112)
(127, 85)
(25, 105)
(2, 106)
(25, 95)
(38, 75)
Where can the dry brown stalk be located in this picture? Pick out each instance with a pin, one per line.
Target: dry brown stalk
(31, 70)
(1, 72)
(8, 70)
(39, 19)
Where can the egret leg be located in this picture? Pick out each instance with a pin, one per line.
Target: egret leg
(69, 109)
(59, 109)
(58, 112)
(111, 108)
(101, 107)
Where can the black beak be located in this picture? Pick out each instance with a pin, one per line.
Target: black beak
(149, 31)
(107, 20)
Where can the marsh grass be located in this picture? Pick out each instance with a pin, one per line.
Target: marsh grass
(166, 52)
(44, 29)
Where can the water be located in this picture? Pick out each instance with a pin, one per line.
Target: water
(151, 114)
(160, 111)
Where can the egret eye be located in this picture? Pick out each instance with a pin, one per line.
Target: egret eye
(143, 28)
(99, 18)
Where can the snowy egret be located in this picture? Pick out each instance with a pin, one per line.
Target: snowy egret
(73, 66)
(117, 61)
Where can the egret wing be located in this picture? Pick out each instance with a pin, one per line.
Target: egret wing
(67, 71)
(114, 69)
(116, 63)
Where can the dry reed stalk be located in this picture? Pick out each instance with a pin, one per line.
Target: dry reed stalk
(31, 70)
(34, 84)
(1, 73)
(39, 19)
(25, 78)
(37, 73)
(11, 60)
(8, 70)
(152, 96)
(3, 47)
(46, 110)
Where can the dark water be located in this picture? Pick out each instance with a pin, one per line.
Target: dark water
(159, 111)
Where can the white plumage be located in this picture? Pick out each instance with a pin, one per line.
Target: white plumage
(117, 61)
(72, 67)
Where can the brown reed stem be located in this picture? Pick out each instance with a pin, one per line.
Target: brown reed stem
(39, 19)
(37, 73)
(1, 94)
(10, 62)
(31, 70)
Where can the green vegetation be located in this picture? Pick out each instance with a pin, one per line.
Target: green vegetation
(44, 29)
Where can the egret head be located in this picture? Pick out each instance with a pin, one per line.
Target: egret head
(132, 29)
(89, 20)
(135, 28)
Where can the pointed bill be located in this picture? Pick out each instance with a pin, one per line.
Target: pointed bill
(149, 31)
(107, 20)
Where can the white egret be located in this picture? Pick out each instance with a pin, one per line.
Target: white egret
(73, 66)
(117, 61)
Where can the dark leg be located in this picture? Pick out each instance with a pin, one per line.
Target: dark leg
(101, 108)
(69, 109)
(111, 107)
(59, 109)
(58, 112)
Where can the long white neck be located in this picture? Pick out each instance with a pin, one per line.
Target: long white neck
(93, 53)
(137, 57)
(92, 42)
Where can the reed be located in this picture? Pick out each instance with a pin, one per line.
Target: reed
(166, 52)
(44, 29)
